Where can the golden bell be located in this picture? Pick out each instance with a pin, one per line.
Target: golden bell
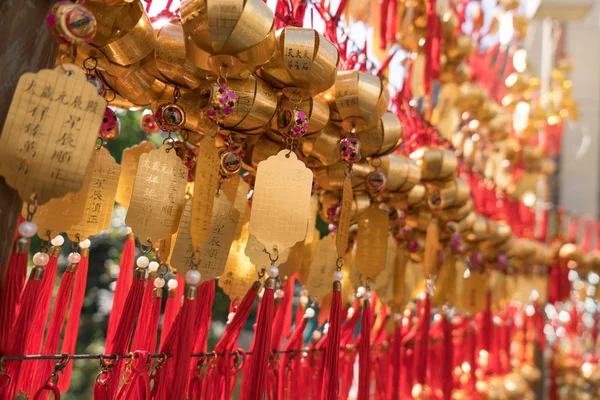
(435, 163)
(304, 64)
(325, 146)
(192, 102)
(171, 59)
(332, 177)
(255, 105)
(412, 199)
(125, 35)
(384, 138)
(480, 230)
(449, 194)
(330, 202)
(315, 108)
(262, 149)
(419, 220)
(359, 99)
(234, 46)
(569, 251)
(456, 213)
(402, 173)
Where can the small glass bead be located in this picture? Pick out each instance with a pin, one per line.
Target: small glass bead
(309, 313)
(316, 335)
(192, 277)
(27, 229)
(159, 282)
(360, 291)
(273, 271)
(338, 275)
(172, 284)
(59, 241)
(153, 266)
(142, 262)
(41, 259)
(230, 316)
(303, 300)
(84, 244)
(350, 312)
(74, 258)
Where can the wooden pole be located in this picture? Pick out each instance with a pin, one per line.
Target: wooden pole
(26, 46)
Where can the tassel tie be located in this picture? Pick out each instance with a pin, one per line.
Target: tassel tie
(137, 379)
(262, 341)
(330, 385)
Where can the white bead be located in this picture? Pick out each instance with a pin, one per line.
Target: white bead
(159, 282)
(58, 241)
(84, 244)
(41, 259)
(74, 258)
(128, 230)
(304, 300)
(172, 284)
(350, 312)
(142, 262)
(360, 292)
(316, 335)
(153, 266)
(338, 275)
(27, 229)
(192, 277)
(273, 271)
(368, 295)
(309, 313)
(230, 316)
(279, 293)
(326, 327)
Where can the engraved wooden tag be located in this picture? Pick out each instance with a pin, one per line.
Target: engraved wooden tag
(59, 214)
(205, 187)
(371, 242)
(129, 165)
(281, 201)
(99, 192)
(50, 132)
(239, 272)
(311, 232)
(344, 221)
(294, 260)
(255, 252)
(230, 187)
(158, 195)
(384, 283)
(182, 256)
(213, 256)
(320, 275)
(241, 205)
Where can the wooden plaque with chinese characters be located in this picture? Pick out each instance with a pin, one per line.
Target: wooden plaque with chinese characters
(371, 242)
(239, 272)
(213, 255)
(99, 190)
(281, 201)
(384, 283)
(129, 165)
(205, 188)
(50, 132)
(59, 214)
(344, 221)
(158, 195)
(320, 276)
(182, 256)
(255, 251)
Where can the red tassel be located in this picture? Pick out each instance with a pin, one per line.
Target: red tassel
(421, 350)
(262, 341)
(283, 316)
(137, 379)
(123, 284)
(59, 311)
(330, 386)
(30, 298)
(172, 308)
(122, 338)
(72, 329)
(364, 353)
(447, 382)
(145, 333)
(295, 342)
(204, 315)
(16, 271)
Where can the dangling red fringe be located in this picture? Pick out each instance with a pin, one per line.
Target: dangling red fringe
(448, 357)
(144, 337)
(364, 353)
(262, 341)
(123, 284)
(72, 329)
(422, 338)
(122, 338)
(283, 316)
(16, 346)
(206, 293)
(16, 272)
(396, 357)
(172, 309)
(137, 379)
(330, 385)
(217, 380)
(59, 311)
(33, 341)
(295, 342)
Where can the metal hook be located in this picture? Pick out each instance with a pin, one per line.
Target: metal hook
(273, 260)
(92, 68)
(4, 376)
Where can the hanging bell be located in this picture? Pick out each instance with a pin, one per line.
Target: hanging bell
(384, 138)
(402, 173)
(435, 163)
(71, 23)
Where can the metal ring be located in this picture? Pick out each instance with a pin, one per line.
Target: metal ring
(146, 248)
(239, 354)
(100, 143)
(106, 92)
(90, 58)
(376, 162)
(223, 67)
(171, 142)
(176, 94)
(339, 263)
(193, 261)
(32, 208)
(273, 260)
(62, 63)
